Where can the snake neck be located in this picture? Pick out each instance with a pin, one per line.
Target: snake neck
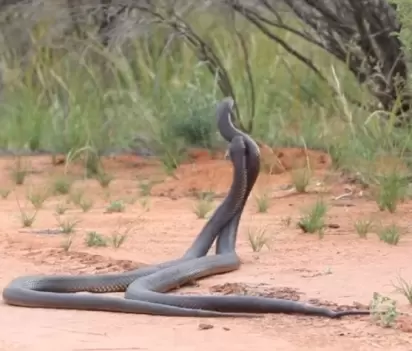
(226, 127)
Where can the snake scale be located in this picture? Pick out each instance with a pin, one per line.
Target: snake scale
(145, 287)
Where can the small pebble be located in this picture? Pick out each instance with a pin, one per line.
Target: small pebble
(204, 326)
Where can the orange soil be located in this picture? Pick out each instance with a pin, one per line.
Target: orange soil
(341, 268)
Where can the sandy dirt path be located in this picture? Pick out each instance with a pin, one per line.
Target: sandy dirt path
(341, 268)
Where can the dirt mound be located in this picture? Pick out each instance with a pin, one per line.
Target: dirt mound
(211, 172)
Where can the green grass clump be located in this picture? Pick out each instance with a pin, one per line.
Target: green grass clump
(392, 189)
(62, 185)
(116, 206)
(314, 220)
(94, 239)
(363, 227)
(79, 99)
(301, 179)
(202, 207)
(262, 202)
(405, 288)
(384, 310)
(390, 234)
(258, 238)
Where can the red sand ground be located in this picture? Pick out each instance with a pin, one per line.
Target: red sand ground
(341, 268)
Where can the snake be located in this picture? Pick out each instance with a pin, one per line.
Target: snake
(144, 287)
(150, 288)
(59, 291)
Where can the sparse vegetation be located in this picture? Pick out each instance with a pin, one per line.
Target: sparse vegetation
(262, 202)
(27, 219)
(94, 239)
(104, 179)
(86, 204)
(286, 221)
(390, 234)
(37, 198)
(67, 225)
(118, 239)
(258, 238)
(405, 288)
(67, 242)
(383, 310)
(314, 220)
(203, 207)
(4, 193)
(322, 104)
(145, 188)
(363, 227)
(78, 199)
(116, 206)
(62, 185)
(301, 178)
(19, 172)
(60, 209)
(145, 203)
(391, 190)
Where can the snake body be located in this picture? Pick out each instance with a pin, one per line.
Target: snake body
(58, 291)
(150, 288)
(145, 287)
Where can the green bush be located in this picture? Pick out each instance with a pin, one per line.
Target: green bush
(81, 95)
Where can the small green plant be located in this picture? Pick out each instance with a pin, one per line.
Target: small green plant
(145, 188)
(170, 161)
(287, 221)
(390, 234)
(67, 243)
(116, 206)
(262, 203)
(37, 199)
(202, 208)
(383, 310)
(4, 193)
(19, 172)
(62, 185)
(94, 239)
(301, 179)
(145, 203)
(86, 204)
(405, 288)
(104, 179)
(258, 238)
(120, 235)
(27, 220)
(118, 239)
(60, 209)
(67, 225)
(92, 162)
(392, 189)
(314, 220)
(363, 227)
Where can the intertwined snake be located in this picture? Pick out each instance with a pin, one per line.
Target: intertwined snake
(145, 287)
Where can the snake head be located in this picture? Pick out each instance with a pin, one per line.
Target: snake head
(229, 101)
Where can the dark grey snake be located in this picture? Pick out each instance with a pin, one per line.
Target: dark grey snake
(145, 287)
